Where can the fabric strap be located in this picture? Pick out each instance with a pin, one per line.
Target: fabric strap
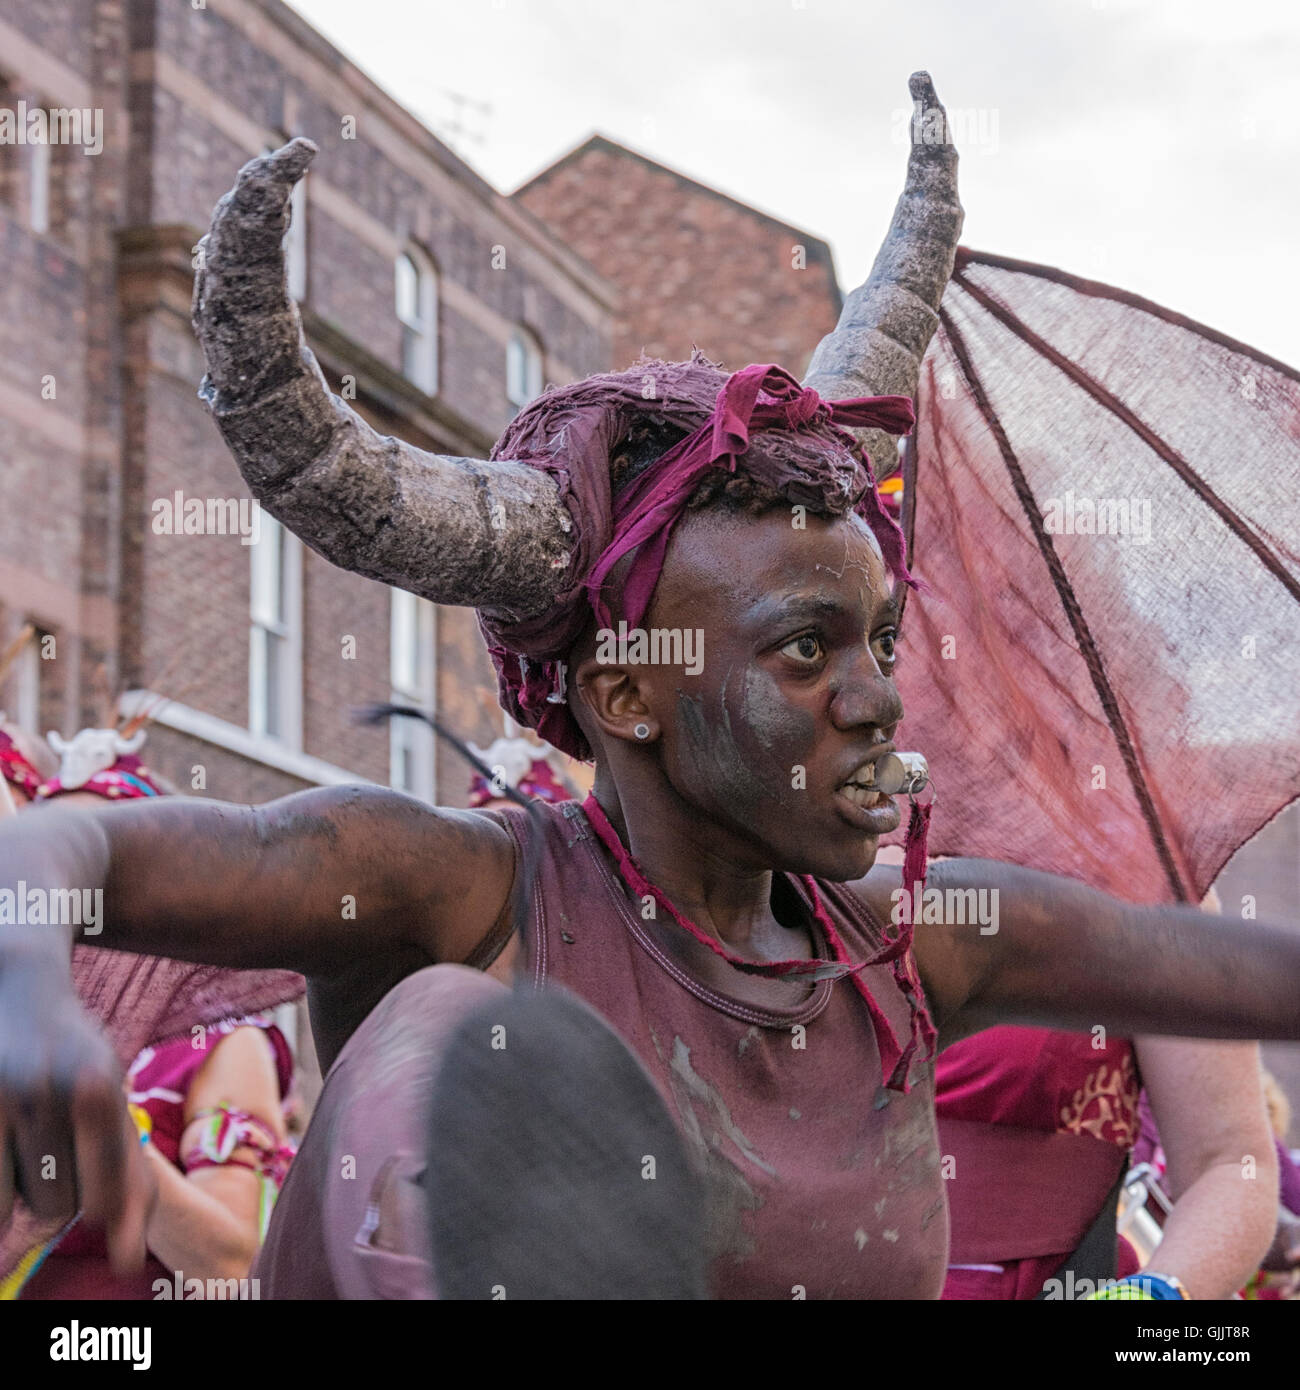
(1097, 1255)
(895, 1060)
(762, 396)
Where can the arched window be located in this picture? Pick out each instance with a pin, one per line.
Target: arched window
(415, 286)
(523, 368)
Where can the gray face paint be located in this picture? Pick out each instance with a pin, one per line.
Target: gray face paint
(710, 751)
(755, 706)
(748, 740)
(746, 768)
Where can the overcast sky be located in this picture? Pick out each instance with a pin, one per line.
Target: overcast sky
(1153, 144)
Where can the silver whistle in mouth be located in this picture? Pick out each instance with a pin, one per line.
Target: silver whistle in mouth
(901, 774)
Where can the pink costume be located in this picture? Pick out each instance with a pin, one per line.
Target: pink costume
(135, 999)
(1035, 1127)
(159, 1078)
(16, 769)
(525, 766)
(127, 779)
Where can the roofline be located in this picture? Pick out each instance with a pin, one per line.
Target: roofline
(408, 124)
(597, 141)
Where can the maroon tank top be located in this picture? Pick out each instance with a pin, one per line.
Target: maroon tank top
(822, 1183)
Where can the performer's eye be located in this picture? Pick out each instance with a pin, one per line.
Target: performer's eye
(886, 644)
(806, 649)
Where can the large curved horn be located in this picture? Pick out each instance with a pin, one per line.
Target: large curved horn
(461, 531)
(887, 323)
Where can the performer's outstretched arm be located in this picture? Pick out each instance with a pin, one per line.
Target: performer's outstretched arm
(354, 886)
(312, 882)
(1055, 953)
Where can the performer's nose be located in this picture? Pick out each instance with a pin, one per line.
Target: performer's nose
(865, 695)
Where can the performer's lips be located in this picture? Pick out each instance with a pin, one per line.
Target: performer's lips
(861, 805)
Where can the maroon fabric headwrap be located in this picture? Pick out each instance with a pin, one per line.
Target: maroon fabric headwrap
(799, 450)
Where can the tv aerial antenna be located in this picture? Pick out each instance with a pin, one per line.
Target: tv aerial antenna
(465, 122)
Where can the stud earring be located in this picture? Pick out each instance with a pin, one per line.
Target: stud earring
(642, 731)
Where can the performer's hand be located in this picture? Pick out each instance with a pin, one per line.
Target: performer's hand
(66, 1139)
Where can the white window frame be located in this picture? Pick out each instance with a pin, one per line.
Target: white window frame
(419, 320)
(413, 675)
(27, 685)
(275, 618)
(525, 370)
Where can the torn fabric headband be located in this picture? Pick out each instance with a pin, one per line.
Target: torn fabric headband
(758, 421)
(758, 397)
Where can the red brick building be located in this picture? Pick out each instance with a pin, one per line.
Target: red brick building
(433, 301)
(694, 267)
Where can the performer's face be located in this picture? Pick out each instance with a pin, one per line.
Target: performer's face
(794, 690)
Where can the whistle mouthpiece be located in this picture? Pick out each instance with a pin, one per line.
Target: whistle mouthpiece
(900, 774)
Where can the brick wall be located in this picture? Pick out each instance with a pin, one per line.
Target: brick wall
(694, 267)
(102, 306)
(59, 377)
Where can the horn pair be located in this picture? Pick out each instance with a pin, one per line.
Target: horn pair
(493, 536)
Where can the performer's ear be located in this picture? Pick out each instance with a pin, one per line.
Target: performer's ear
(615, 701)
